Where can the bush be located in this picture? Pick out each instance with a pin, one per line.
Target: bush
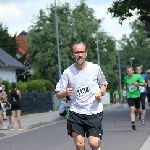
(49, 86)
(36, 85)
(36, 76)
(22, 86)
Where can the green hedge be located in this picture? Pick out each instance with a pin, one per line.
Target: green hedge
(36, 85)
(22, 86)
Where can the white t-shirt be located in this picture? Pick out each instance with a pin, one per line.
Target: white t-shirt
(124, 93)
(85, 83)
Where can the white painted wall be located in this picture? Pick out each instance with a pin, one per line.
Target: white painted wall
(7, 73)
(106, 98)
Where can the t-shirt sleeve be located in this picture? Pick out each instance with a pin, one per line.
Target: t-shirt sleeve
(101, 78)
(140, 79)
(63, 83)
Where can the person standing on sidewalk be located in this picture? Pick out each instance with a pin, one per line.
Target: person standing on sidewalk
(64, 107)
(131, 83)
(116, 97)
(124, 94)
(4, 102)
(85, 83)
(148, 86)
(15, 97)
(1, 99)
(142, 95)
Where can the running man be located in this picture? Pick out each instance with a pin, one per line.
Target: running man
(131, 83)
(86, 84)
(148, 86)
(142, 96)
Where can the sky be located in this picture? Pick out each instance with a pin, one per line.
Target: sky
(17, 15)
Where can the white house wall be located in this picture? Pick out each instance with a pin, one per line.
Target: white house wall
(8, 74)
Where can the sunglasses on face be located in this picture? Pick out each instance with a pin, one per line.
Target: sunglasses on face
(148, 73)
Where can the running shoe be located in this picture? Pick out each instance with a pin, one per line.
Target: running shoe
(20, 128)
(12, 128)
(142, 122)
(96, 148)
(133, 126)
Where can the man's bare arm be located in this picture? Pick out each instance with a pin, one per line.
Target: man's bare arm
(62, 94)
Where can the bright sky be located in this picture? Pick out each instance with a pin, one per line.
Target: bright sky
(17, 14)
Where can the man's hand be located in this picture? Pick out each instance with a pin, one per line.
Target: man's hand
(69, 92)
(98, 96)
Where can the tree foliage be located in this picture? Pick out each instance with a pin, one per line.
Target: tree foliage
(76, 24)
(137, 46)
(123, 9)
(7, 42)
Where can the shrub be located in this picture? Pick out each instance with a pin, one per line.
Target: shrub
(49, 86)
(36, 85)
(22, 86)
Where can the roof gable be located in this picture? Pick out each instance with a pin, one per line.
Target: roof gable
(8, 60)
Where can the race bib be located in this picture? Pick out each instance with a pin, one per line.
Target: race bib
(132, 88)
(141, 88)
(148, 84)
(82, 90)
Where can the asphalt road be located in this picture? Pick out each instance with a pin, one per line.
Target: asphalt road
(118, 135)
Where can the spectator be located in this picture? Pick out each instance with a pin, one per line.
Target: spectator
(15, 96)
(116, 97)
(124, 94)
(64, 107)
(1, 111)
(148, 86)
(4, 100)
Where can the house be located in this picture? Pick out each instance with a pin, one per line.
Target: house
(21, 40)
(8, 66)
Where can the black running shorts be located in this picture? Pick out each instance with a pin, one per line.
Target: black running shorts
(15, 106)
(89, 125)
(134, 102)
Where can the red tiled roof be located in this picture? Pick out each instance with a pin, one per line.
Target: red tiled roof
(22, 46)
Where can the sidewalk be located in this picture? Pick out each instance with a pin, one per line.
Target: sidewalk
(36, 120)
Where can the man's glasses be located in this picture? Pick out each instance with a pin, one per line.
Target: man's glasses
(148, 73)
(79, 52)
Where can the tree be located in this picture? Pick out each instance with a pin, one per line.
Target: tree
(7, 42)
(42, 41)
(76, 24)
(123, 9)
(137, 46)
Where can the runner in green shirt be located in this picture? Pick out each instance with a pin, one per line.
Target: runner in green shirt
(131, 83)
